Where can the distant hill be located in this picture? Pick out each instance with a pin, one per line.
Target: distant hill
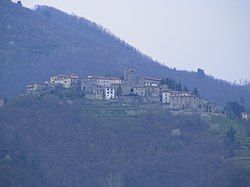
(47, 141)
(36, 44)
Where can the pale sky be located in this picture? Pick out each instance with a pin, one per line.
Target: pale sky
(187, 34)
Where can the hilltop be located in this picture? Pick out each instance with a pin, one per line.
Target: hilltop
(36, 44)
(48, 141)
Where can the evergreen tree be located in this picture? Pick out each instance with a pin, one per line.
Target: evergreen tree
(196, 92)
(185, 89)
(234, 110)
(119, 91)
(170, 82)
(178, 87)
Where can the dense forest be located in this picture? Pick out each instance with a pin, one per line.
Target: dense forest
(51, 141)
(36, 44)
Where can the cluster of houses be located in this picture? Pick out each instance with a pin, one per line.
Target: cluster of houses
(144, 90)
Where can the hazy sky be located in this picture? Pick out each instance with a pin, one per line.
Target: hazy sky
(211, 34)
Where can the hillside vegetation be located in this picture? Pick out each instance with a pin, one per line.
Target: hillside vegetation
(47, 141)
(36, 44)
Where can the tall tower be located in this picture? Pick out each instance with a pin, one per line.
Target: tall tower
(129, 74)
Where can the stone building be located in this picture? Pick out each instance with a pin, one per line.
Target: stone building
(165, 97)
(91, 89)
(185, 101)
(101, 88)
(129, 75)
(139, 90)
(36, 88)
(88, 83)
(67, 81)
(108, 81)
(109, 93)
(150, 81)
(127, 88)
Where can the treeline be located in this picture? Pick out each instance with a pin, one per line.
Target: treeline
(174, 85)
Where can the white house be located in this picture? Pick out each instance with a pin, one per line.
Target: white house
(165, 97)
(108, 81)
(109, 93)
(67, 81)
(151, 81)
(139, 90)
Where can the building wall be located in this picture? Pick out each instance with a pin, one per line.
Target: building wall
(37, 86)
(152, 91)
(117, 81)
(126, 88)
(87, 85)
(109, 93)
(105, 82)
(65, 81)
(165, 97)
(129, 75)
(141, 91)
(98, 91)
(147, 81)
(186, 102)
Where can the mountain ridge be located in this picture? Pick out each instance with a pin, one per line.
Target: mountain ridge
(43, 42)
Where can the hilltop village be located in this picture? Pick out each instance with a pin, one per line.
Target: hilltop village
(143, 90)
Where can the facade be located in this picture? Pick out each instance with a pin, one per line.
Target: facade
(98, 92)
(87, 85)
(127, 88)
(151, 81)
(109, 93)
(108, 81)
(152, 91)
(165, 97)
(67, 81)
(101, 88)
(91, 89)
(129, 75)
(36, 88)
(185, 101)
(139, 90)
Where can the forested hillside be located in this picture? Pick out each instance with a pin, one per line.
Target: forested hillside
(35, 44)
(47, 141)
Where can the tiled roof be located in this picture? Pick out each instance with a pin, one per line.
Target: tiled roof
(103, 78)
(153, 78)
